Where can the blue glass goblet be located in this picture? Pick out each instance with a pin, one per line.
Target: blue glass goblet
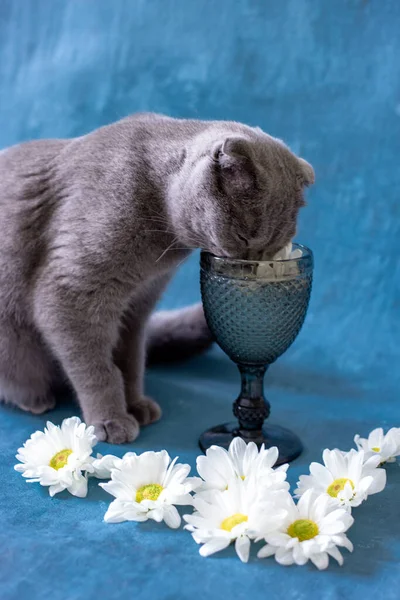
(255, 310)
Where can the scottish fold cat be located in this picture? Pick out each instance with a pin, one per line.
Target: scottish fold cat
(93, 228)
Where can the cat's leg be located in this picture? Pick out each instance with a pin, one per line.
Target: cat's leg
(130, 352)
(175, 335)
(26, 368)
(164, 337)
(130, 355)
(82, 336)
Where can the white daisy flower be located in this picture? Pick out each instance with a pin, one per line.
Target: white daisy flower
(59, 457)
(312, 530)
(235, 514)
(347, 478)
(148, 486)
(386, 446)
(219, 467)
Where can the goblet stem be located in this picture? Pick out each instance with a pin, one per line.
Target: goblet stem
(251, 408)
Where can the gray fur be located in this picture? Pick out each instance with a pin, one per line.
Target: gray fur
(91, 231)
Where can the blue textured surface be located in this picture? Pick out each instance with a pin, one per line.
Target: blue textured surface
(324, 76)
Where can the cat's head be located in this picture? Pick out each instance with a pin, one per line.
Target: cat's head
(238, 193)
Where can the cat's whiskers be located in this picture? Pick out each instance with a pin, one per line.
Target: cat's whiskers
(157, 214)
(181, 262)
(155, 219)
(166, 249)
(184, 248)
(158, 231)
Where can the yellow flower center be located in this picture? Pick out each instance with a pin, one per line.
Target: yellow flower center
(60, 459)
(337, 486)
(376, 449)
(151, 491)
(303, 529)
(230, 522)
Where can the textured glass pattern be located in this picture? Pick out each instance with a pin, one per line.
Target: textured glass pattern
(255, 310)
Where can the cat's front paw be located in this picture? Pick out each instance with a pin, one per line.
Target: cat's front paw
(117, 430)
(146, 410)
(37, 405)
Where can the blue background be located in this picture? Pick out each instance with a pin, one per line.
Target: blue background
(323, 76)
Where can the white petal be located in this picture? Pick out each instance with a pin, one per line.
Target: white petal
(355, 463)
(343, 540)
(305, 482)
(336, 554)
(309, 547)
(157, 514)
(364, 485)
(284, 557)
(183, 500)
(242, 547)
(253, 460)
(114, 513)
(155, 465)
(359, 441)
(271, 456)
(379, 481)
(192, 483)
(298, 555)
(104, 464)
(202, 536)
(214, 545)
(237, 450)
(375, 438)
(49, 476)
(390, 447)
(323, 476)
(372, 462)
(196, 520)
(271, 521)
(55, 489)
(321, 561)
(322, 506)
(303, 505)
(266, 551)
(211, 475)
(119, 511)
(333, 528)
(79, 486)
(175, 473)
(337, 516)
(277, 538)
(393, 441)
(172, 517)
(220, 459)
(118, 489)
(335, 462)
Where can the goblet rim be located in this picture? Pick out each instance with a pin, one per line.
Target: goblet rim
(307, 254)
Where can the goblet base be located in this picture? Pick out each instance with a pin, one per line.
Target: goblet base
(288, 443)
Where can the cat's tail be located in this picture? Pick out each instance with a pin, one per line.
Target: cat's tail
(175, 335)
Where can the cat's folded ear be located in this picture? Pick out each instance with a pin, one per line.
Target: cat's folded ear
(232, 151)
(233, 157)
(306, 173)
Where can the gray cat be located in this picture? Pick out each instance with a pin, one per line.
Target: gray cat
(93, 228)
